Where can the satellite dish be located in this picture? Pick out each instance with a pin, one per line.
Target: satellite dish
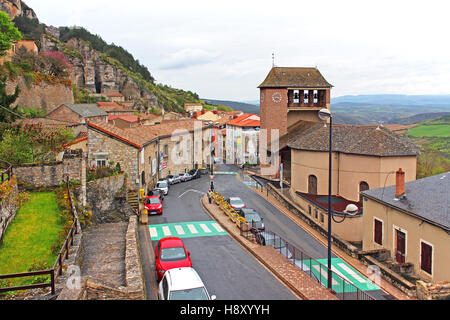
(351, 209)
(324, 114)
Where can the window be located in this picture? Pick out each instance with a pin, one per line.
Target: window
(166, 151)
(306, 96)
(316, 213)
(363, 186)
(378, 231)
(101, 159)
(312, 184)
(426, 252)
(322, 218)
(309, 210)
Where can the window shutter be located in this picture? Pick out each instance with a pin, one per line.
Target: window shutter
(425, 263)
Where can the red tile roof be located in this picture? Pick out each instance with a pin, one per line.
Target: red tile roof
(127, 118)
(244, 121)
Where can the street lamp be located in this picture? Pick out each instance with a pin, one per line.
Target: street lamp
(351, 209)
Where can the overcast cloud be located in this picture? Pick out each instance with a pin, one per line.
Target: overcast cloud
(223, 50)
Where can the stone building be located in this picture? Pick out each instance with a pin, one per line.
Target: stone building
(148, 153)
(193, 107)
(81, 113)
(28, 45)
(412, 221)
(242, 139)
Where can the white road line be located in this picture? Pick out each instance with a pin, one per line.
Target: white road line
(333, 268)
(191, 190)
(205, 228)
(179, 229)
(352, 273)
(153, 233)
(166, 231)
(325, 274)
(192, 229)
(218, 227)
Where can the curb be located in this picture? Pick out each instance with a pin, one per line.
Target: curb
(260, 260)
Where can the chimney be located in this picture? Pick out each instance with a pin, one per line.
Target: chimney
(399, 184)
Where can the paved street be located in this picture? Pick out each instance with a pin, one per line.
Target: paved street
(228, 271)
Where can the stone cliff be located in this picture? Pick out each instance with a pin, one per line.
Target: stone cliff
(16, 8)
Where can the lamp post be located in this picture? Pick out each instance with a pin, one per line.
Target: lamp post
(324, 115)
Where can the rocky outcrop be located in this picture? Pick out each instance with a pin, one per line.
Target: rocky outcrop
(47, 96)
(16, 8)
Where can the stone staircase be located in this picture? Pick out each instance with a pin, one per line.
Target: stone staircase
(132, 199)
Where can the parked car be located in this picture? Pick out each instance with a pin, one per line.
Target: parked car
(156, 192)
(183, 284)
(174, 178)
(186, 177)
(252, 217)
(163, 185)
(171, 253)
(235, 202)
(195, 173)
(154, 205)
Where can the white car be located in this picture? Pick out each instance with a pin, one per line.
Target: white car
(182, 284)
(163, 186)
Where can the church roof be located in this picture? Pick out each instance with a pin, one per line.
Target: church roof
(281, 77)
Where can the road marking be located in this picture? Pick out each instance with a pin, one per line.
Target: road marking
(192, 229)
(166, 231)
(205, 228)
(324, 274)
(218, 227)
(179, 230)
(153, 233)
(191, 190)
(333, 268)
(352, 273)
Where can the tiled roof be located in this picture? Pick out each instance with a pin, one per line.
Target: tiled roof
(364, 140)
(113, 94)
(49, 122)
(426, 198)
(113, 107)
(125, 117)
(86, 110)
(245, 121)
(295, 77)
(132, 139)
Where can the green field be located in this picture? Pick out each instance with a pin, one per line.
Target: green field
(30, 236)
(440, 130)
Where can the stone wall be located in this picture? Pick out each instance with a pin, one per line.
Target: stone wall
(430, 291)
(107, 199)
(52, 173)
(47, 96)
(8, 209)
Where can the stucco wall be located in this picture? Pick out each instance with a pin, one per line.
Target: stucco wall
(416, 230)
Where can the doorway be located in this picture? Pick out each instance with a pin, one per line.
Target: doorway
(400, 250)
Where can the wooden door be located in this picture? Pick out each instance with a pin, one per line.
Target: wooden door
(312, 185)
(401, 247)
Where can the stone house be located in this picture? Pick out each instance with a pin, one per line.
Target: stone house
(28, 45)
(115, 109)
(193, 107)
(114, 96)
(364, 157)
(81, 113)
(124, 121)
(147, 153)
(412, 221)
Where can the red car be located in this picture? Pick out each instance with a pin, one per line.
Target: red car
(171, 253)
(154, 205)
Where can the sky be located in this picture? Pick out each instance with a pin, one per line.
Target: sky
(223, 49)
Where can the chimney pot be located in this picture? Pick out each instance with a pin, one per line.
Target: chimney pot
(399, 184)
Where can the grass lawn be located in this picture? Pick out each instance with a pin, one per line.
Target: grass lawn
(441, 130)
(30, 235)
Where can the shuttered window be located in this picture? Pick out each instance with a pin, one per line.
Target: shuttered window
(378, 232)
(426, 256)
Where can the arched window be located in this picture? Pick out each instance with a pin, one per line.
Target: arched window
(312, 184)
(363, 186)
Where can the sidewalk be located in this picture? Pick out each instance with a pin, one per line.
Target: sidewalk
(295, 279)
(355, 263)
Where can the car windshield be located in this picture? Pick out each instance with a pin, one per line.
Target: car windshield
(173, 254)
(252, 216)
(152, 201)
(161, 185)
(189, 294)
(236, 202)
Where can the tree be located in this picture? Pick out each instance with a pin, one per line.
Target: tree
(33, 143)
(8, 33)
(7, 112)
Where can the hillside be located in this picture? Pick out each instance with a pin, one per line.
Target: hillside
(95, 66)
(245, 107)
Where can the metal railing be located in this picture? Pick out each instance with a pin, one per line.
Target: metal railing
(57, 268)
(342, 288)
(7, 174)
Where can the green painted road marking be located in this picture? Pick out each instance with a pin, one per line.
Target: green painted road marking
(186, 230)
(339, 267)
(224, 172)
